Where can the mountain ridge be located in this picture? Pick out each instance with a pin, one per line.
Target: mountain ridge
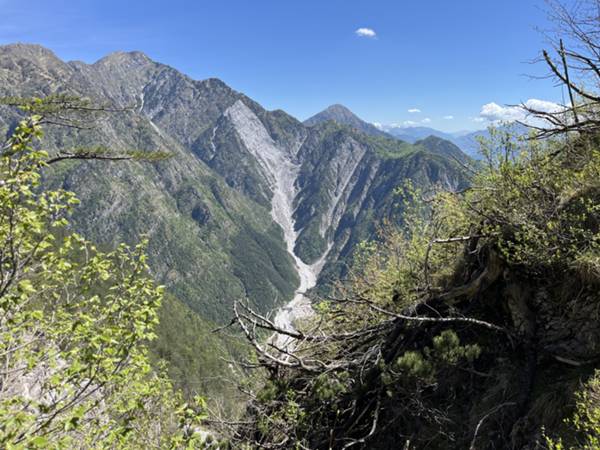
(221, 224)
(194, 116)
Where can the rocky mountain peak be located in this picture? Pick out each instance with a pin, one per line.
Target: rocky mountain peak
(26, 50)
(26, 65)
(339, 109)
(134, 58)
(215, 83)
(343, 116)
(337, 112)
(325, 187)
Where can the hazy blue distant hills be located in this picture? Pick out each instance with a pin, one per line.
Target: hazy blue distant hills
(467, 141)
(413, 134)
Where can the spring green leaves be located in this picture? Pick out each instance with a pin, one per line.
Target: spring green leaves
(74, 322)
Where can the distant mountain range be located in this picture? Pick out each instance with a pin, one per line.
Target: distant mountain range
(467, 141)
(413, 134)
(443, 143)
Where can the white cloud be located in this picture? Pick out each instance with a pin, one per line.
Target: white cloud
(543, 105)
(414, 110)
(478, 119)
(448, 117)
(409, 123)
(426, 120)
(366, 32)
(493, 112)
(378, 125)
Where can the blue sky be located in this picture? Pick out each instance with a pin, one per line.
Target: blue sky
(442, 57)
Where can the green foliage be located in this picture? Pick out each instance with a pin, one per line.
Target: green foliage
(198, 361)
(541, 201)
(398, 269)
(445, 351)
(500, 256)
(53, 106)
(79, 113)
(101, 152)
(329, 387)
(585, 422)
(310, 246)
(74, 320)
(264, 270)
(388, 148)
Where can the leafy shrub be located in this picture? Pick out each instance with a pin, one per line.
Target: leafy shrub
(74, 322)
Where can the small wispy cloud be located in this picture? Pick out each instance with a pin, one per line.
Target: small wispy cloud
(366, 32)
(409, 123)
(448, 117)
(426, 120)
(414, 110)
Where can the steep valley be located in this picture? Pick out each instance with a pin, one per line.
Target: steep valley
(252, 204)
